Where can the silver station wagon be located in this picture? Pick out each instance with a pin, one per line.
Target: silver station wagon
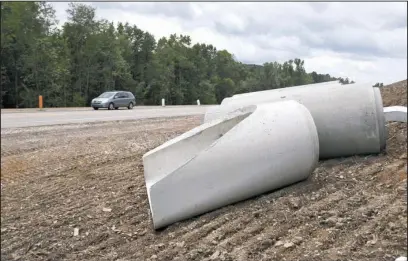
(113, 100)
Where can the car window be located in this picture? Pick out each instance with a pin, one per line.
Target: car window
(130, 95)
(106, 95)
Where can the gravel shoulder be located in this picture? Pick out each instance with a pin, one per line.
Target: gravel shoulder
(88, 179)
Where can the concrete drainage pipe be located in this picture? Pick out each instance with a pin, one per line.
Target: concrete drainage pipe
(265, 92)
(349, 118)
(245, 153)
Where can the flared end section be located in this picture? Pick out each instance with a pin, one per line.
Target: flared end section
(164, 160)
(251, 151)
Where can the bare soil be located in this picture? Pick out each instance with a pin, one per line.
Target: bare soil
(88, 178)
(395, 94)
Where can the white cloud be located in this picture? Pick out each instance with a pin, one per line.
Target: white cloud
(364, 41)
(386, 70)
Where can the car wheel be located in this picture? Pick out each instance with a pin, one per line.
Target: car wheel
(111, 106)
(130, 106)
(95, 108)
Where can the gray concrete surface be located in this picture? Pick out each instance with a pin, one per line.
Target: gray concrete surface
(33, 117)
(349, 118)
(251, 151)
(246, 95)
(396, 113)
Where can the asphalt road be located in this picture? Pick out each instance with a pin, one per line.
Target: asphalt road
(34, 117)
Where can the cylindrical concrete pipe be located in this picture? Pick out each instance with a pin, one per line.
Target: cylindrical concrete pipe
(265, 92)
(248, 152)
(349, 118)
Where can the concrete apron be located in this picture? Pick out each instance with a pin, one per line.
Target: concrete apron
(349, 118)
(247, 152)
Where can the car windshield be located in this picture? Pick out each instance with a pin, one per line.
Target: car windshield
(106, 95)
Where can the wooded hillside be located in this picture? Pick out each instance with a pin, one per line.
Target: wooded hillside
(73, 63)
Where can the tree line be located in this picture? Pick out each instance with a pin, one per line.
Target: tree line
(71, 64)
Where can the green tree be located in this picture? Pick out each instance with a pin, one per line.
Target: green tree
(72, 64)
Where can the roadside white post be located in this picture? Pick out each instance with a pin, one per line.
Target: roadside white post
(198, 102)
(163, 103)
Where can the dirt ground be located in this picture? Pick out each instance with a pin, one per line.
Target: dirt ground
(89, 177)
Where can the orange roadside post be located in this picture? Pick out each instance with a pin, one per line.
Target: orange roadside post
(40, 102)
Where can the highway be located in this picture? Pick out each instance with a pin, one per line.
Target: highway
(15, 118)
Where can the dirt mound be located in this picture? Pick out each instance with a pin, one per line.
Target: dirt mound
(77, 192)
(395, 94)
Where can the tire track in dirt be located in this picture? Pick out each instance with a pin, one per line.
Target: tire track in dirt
(342, 208)
(68, 193)
(51, 189)
(269, 235)
(57, 188)
(332, 226)
(230, 233)
(74, 209)
(251, 244)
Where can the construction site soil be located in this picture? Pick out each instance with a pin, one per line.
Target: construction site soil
(77, 192)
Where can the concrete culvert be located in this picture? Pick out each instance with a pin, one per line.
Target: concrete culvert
(349, 118)
(243, 154)
(265, 92)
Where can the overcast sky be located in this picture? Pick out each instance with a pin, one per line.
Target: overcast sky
(364, 41)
